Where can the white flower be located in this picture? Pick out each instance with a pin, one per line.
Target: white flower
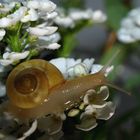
(13, 18)
(64, 21)
(96, 99)
(5, 22)
(50, 38)
(32, 15)
(79, 69)
(71, 68)
(52, 46)
(52, 15)
(96, 108)
(129, 31)
(41, 31)
(77, 14)
(124, 36)
(2, 33)
(98, 16)
(88, 118)
(5, 62)
(5, 8)
(43, 5)
(10, 58)
(63, 64)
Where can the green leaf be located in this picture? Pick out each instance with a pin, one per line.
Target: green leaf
(116, 10)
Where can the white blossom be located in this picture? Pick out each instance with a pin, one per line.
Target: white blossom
(96, 108)
(77, 14)
(129, 31)
(41, 31)
(13, 18)
(64, 22)
(50, 38)
(52, 46)
(71, 67)
(10, 58)
(98, 16)
(52, 15)
(43, 5)
(74, 15)
(5, 8)
(32, 15)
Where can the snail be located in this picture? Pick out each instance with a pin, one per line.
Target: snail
(37, 88)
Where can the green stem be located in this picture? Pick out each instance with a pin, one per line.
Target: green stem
(69, 43)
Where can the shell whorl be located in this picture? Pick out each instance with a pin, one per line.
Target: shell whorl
(29, 83)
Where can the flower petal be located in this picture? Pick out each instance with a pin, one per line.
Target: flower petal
(60, 63)
(90, 94)
(94, 99)
(106, 112)
(42, 31)
(52, 46)
(98, 16)
(77, 70)
(88, 122)
(88, 62)
(99, 103)
(89, 110)
(96, 68)
(50, 38)
(64, 22)
(71, 62)
(17, 56)
(42, 5)
(103, 93)
(5, 62)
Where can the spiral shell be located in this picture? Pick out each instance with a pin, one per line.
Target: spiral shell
(29, 83)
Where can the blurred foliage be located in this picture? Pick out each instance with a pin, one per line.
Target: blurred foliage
(68, 36)
(116, 10)
(126, 125)
(133, 84)
(72, 3)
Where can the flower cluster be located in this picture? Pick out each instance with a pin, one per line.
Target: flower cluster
(96, 108)
(73, 16)
(25, 29)
(71, 67)
(130, 27)
(94, 105)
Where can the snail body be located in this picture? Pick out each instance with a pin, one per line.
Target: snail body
(36, 88)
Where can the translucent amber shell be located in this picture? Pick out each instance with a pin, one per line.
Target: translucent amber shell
(29, 83)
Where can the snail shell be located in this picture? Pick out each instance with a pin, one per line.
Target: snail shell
(29, 83)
